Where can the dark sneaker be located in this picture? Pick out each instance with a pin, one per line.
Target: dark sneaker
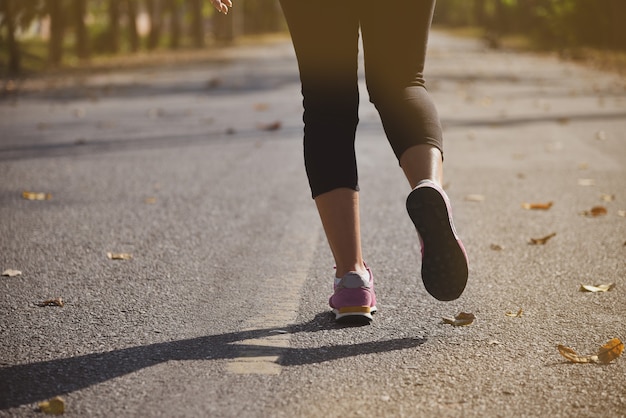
(444, 260)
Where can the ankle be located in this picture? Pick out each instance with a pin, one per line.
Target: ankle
(358, 268)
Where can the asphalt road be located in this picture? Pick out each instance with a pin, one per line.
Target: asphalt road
(195, 169)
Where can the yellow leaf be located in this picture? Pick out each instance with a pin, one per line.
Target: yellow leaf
(610, 351)
(542, 240)
(586, 182)
(36, 195)
(475, 198)
(606, 354)
(573, 356)
(54, 406)
(52, 302)
(11, 273)
(460, 320)
(119, 256)
(272, 126)
(595, 211)
(537, 206)
(597, 287)
(517, 314)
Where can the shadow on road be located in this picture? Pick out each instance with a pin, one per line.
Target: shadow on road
(28, 383)
(13, 152)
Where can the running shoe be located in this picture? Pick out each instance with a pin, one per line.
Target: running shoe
(354, 300)
(444, 260)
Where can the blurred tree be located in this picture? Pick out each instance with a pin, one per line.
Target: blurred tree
(227, 27)
(173, 10)
(560, 24)
(113, 32)
(56, 9)
(16, 15)
(9, 14)
(82, 37)
(480, 12)
(153, 8)
(197, 22)
(261, 16)
(133, 34)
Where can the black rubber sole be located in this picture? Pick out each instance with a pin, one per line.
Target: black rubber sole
(353, 320)
(444, 265)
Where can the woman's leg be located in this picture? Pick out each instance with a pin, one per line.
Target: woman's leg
(326, 45)
(395, 50)
(395, 41)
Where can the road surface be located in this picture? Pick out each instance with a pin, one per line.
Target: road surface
(195, 170)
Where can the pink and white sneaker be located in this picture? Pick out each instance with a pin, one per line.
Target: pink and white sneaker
(444, 260)
(354, 300)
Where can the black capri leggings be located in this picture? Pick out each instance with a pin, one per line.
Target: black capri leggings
(325, 37)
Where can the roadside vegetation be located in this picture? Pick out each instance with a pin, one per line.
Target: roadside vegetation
(38, 35)
(584, 30)
(42, 35)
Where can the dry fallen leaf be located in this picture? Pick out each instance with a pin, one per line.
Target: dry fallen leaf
(460, 320)
(595, 212)
(273, 126)
(475, 198)
(606, 354)
(261, 107)
(52, 302)
(54, 406)
(119, 256)
(611, 350)
(517, 314)
(596, 288)
(36, 195)
(621, 213)
(541, 241)
(607, 197)
(537, 206)
(213, 83)
(496, 247)
(11, 273)
(150, 200)
(586, 182)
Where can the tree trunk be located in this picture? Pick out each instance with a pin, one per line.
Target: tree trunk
(57, 31)
(227, 27)
(174, 24)
(82, 40)
(133, 35)
(479, 12)
(154, 11)
(12, 45)
(197, 23)
(114, 26)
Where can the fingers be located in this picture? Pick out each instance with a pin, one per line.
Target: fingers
(222, 6)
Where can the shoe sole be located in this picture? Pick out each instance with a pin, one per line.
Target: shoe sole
(354, 315)
(444, 263)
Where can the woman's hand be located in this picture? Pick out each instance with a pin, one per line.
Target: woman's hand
(222, 6)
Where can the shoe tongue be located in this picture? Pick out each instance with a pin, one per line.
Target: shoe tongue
(353, 280)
